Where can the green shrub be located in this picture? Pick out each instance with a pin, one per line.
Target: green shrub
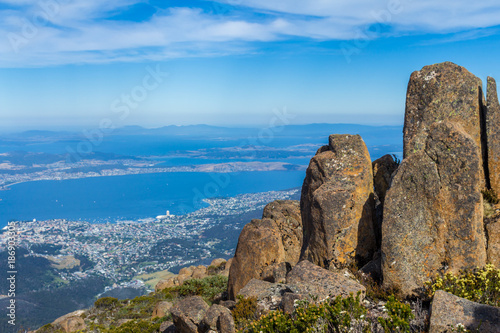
(399, 316)
(344, 312)
(478, 285)
(106, 303)
(142, 326)
(140, 307)
(273, 322)
(108, 310)
(208, 288)
(245, 311)
(336, 315)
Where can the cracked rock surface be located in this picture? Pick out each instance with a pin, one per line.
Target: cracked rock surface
(433, 214)
(337, 204)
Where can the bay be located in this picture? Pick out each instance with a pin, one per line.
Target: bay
(133, 197)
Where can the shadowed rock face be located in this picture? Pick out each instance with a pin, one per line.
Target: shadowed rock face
(449, 310)
(383, 171)
(383, 168)
(442, 92)
(493, 135)
(433, 215)
(337, 204)
(275, 239)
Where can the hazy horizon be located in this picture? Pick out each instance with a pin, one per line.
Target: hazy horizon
(77, 129)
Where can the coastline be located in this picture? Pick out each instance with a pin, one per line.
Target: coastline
(232, 167)
(135, 196)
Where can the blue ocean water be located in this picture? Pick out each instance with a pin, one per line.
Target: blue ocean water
(103, 199)
(141, 196)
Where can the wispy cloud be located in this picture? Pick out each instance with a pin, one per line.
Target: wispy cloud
(52, 32)
(463, 36)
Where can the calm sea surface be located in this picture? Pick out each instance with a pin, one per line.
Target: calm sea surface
(104, 199)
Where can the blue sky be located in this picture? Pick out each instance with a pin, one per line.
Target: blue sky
(75, 63)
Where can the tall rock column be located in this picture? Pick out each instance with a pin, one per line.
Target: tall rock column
(433, 214)
(442, 92)
(493, 134)
(337, 204)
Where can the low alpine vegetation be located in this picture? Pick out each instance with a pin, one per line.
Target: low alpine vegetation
(399, 314)
(481, 285)
(333, 315)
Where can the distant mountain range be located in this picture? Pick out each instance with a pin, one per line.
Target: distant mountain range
(384, 133)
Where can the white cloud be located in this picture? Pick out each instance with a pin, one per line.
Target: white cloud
(422, 15)
(74, 31)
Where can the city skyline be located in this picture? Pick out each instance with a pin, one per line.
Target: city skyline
(73, 64)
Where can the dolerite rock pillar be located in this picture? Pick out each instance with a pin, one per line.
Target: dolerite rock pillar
(337, 204)
(433, 213)
(275, 239)
(493, 135)
(443, 92)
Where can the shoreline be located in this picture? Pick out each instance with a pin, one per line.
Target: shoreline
(204, 168)
(178, 208)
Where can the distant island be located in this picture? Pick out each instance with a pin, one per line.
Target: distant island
(98, 168)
